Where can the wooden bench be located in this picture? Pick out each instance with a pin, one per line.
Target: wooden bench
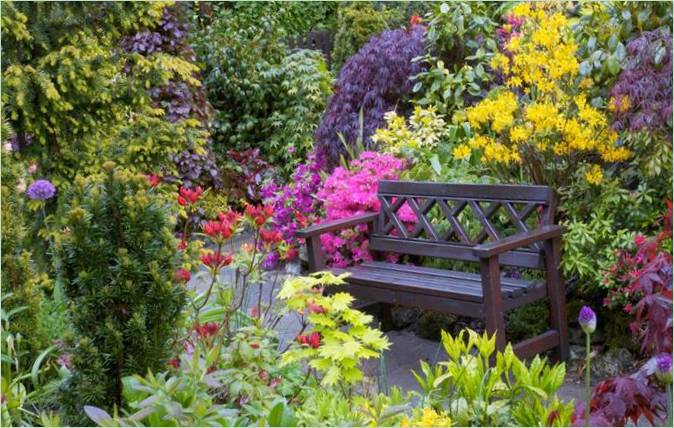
(493, 225)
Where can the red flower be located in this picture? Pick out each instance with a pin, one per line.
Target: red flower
(217, 230)
(183, 275)
(260, 220)
(182, 244)
(270, 236)
(231, 217)
(268, 210)
(255, 312)
(639, 239)
(314, 308)
(291, 254)
(215, 260)
(415, 19)
(189, 196)
(174, 362)
(206, 330)
(255, 345)
(251, 210)
(315, 340)
(152, 180)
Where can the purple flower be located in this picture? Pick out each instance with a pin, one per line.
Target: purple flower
(663, 369)
(587, 319)
(41, 190)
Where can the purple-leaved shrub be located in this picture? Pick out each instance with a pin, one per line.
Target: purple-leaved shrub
(641, 98)
(376, 79)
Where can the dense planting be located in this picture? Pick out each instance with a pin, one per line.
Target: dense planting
(159, 159)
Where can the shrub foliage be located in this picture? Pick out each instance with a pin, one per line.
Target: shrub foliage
(117, 262)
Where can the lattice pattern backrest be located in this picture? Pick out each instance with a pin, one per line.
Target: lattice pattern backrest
(461, 214)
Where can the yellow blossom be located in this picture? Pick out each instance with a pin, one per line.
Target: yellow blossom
(594, 175)
(461, 152)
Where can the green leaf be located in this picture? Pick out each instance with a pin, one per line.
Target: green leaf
(35, 370)
(435, 163)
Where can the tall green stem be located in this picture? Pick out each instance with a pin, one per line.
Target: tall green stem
(668, 389)
(587, 380)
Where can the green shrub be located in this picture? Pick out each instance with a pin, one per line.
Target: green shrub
(472, 392)
(117, 261)
(527, 321)
(75, 98)
(461, 41)
(303, 84)
(264, 97)
(357, 22)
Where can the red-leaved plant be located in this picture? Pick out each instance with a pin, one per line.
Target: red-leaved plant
(645, 275)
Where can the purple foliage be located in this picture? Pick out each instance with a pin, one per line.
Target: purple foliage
(646, 83)
(375, 80)
(178, 99)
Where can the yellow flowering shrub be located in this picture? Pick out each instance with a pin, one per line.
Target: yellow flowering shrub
(540, 120)
(426, 417)
(423, 129)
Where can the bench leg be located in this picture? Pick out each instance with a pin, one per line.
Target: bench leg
(493, 304)
(556, 294)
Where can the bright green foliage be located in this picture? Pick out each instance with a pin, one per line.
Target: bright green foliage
(74, 97)
(600, 220)
(460, 40)
(264, 97)
(184, 399)
(473, 393)
(303, 84)
(346, 337)
(357, 22)
(117, 263)
(604, 28)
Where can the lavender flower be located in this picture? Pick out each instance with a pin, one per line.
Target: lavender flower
(587, 319)
(663, 368)
(41, 190)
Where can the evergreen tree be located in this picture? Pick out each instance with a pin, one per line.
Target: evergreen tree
(118, 261)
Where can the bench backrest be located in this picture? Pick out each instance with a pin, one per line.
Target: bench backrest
(447, 220)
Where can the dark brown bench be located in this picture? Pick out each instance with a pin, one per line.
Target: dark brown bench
(494, 225)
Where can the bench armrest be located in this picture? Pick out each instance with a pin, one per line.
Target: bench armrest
(543, 233)
(331, 226)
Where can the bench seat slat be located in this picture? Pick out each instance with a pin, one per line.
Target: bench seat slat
(446, 279)
(443, 283)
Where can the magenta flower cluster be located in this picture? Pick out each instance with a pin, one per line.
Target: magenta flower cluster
(295, 204)
(353, 191)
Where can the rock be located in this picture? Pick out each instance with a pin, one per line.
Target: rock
(611, 363)
(293, 268)
(404, 316)
(431, 323)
